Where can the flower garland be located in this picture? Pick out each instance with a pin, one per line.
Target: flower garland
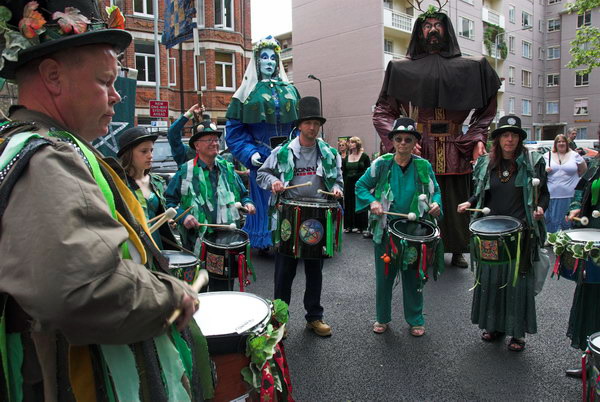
(268, 42)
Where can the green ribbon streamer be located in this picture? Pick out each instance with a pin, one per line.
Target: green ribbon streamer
(202, 367)
(184, 351)
(329, 234)
(517, 264)
(16, 143)
(339, 235)
(123, 371)
(3, 352)
(249, 262)
(172, 369)
(595, 191)
(109, 387)
(15, 362)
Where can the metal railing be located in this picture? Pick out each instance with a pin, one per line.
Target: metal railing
(398, 20)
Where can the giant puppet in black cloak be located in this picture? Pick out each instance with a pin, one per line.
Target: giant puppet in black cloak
(445, 87)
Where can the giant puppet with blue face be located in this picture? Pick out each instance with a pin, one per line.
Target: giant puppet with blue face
(264, 107)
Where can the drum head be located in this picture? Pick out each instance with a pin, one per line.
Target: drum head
(222, 313)
(179, 258)
(224, 238)
(497, 225)
(310, 202)
(412, 230)
(594, 342)
(584, 235)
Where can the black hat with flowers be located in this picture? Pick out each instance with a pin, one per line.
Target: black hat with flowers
(32, 29)
(404, 125)
(509, 123)
(207, 127)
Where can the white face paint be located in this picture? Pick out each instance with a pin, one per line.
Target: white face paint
(267, 63)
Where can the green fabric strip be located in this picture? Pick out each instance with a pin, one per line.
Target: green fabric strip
(249, 262)
(15, 363)
(15, 144)
(595, 191)
(518, 260)
(123, 371)
(107, 382)
(3, 351)
(339, 234)
(329, 234)
(202, 367)
(184, 351)
(172, 368)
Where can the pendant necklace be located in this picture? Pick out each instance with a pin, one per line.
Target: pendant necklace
(504, 174)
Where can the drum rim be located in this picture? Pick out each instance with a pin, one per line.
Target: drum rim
(221, 247)
(507, 217)
(591, 345)
(299, 203)
(582, 230)
(180, 265)
(420, 239)
(259, 327)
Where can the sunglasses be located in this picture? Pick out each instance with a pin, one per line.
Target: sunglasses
(407, 140)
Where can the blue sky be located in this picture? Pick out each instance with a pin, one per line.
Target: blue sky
(270, 17)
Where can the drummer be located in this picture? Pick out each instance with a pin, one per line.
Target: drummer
(394, 183)
(584, 319)
(209, 185)
(307, 159)
(135, 153)
(503, 183)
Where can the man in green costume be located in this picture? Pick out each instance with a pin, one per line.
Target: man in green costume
(400, 183)
(83, 315)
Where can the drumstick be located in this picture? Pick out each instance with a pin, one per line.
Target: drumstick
(198, 284)
(169, 214)
(484, 210)
(155, 218)
(308, 183)
(325, 192)
(411, 216)
(182, 214)
(583, 220)
(595, 214)
(535, 182)
(231, 226)
(239, 206)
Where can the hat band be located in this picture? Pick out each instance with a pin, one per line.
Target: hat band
(53, 31)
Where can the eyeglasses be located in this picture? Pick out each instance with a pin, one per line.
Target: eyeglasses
(407, 140)
(216, 141)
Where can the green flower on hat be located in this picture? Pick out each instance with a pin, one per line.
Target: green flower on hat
(267, 42)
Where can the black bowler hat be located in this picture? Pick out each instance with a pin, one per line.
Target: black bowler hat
(309, 108)
(509, 123)
(207, 127)
(132, 137)
(404, 125)
(47, 36)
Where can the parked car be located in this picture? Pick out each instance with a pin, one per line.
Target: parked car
(162, 159)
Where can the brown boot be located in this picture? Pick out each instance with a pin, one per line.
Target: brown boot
(459, 261)
(319, 327)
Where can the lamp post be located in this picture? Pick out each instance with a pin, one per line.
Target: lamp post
(312, 77)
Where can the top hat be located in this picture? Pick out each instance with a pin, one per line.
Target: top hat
(207, 127)
(309, 109)
(404, 125)
(37, 30)
(132, 137)
(509, 123)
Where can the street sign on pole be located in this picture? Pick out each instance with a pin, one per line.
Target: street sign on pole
(159, 108)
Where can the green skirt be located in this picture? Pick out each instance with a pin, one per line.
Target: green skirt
(584, 319)
(500, 306)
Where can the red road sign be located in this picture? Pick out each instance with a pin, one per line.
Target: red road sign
(159, 108)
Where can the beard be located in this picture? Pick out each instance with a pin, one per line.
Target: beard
(435, 46)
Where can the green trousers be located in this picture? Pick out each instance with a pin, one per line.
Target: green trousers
(412, 298)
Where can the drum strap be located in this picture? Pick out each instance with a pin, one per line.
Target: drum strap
(584, 373)
(296, 232)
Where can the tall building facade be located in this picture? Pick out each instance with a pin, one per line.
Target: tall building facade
(527, 42)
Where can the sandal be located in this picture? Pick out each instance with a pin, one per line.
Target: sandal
(491, 336)
(516, 345)
(417, 331)
(379, 328)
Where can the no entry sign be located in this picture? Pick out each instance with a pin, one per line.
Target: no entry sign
(159, 108)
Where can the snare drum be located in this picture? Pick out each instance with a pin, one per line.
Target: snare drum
(591, 381)
(496, 238)
(226, 254)
(182, 265)
(414, 242)
(226, 320)
(309, 228)
(571, 268)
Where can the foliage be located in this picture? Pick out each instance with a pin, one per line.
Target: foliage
(562, 243)
(585, 48)
(489, 39)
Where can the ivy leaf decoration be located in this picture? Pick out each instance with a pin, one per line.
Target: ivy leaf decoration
(116, 20)
(5, 15)
(552, 238)
(14, 43)
(71, 21)
(280, 311)
(32, 20)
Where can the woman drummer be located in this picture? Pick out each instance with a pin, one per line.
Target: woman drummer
(401, 183)
(503, 183)
(135, 152)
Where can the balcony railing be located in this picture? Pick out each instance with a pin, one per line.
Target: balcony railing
(286, 53)
(492, 17)
(397, 20)
(493, 54)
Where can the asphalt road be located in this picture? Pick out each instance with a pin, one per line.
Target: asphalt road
(449, 363)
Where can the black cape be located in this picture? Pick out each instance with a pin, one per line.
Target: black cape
(445, 79)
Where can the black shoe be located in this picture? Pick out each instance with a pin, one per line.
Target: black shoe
(459, 261)
(575, 373)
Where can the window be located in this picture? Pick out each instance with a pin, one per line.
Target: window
(553, 52)
(585, 19)
(526, 78)
(201, 71)
(511, 105)
(224, 14)
(200, 13)
(540, 107)
(526, 107)
(553, 2)
(172, 71)
(527, 131)
(224, 71)
(468, 1)
(554, 25)
(143, 7)
(388, 4)
(526, 47)
(540, 25)
(511, 13)
(552, 107)
(511, 44)
(581, 107)
(582, 132)
(538, 133)
(511, 75)
(145, 63)
(465, 28)
(552, 80)
(582, 80)
(526, 19)
(388, 46)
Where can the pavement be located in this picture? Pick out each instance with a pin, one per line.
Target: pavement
(449, 363)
